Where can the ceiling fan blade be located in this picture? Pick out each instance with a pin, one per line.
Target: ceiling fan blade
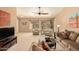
(40, 13)
(44, 13)
(34, 12)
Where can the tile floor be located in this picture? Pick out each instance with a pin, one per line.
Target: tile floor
(24, 42)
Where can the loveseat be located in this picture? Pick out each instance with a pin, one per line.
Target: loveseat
(70, 39)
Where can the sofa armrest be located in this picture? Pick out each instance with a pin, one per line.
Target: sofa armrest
(35, 47)
(62, 43)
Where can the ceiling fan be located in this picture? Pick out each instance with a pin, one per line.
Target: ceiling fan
(40, 13)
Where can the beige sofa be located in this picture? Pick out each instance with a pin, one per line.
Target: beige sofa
(70, 39)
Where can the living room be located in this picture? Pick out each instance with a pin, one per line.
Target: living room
(22, 19)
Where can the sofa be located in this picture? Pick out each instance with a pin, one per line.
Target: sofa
(70, 39)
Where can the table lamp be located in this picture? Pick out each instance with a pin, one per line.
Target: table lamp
(58, 26)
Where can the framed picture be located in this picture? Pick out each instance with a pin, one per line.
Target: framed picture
(4, 18)
(74, 20)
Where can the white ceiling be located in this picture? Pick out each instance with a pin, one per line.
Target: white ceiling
(28, 11)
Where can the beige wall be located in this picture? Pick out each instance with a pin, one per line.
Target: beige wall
(63, 17)
(13, 20)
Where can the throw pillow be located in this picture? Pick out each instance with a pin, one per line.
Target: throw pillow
(77, 40)
(67, 33)
(62, 35)
(45, 46)
(73, 36)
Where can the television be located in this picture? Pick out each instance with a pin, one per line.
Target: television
(6, 32)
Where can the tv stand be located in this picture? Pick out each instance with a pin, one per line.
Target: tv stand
(7, 43)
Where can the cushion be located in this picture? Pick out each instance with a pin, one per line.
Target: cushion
(67, 33)
(73, 36)
(36, 48)
(62, 35)
(77, 40)
(39, 43)
(45, 46)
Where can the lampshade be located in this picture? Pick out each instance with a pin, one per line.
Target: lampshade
(58, 25)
